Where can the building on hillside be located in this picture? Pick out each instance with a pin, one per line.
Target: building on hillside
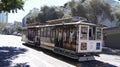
(33, 12)
(3, 17)
(3, 20)
(24, 21)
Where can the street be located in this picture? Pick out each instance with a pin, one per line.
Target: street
(14, 54)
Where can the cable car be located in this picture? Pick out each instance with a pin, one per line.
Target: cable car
(78, 40)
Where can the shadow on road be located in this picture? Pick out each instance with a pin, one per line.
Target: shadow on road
(7, 54)
(72, 61)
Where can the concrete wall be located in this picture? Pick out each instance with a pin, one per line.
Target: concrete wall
(112, 37)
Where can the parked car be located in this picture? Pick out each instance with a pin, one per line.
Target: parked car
(19, 34)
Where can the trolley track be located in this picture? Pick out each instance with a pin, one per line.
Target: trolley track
(74, 62)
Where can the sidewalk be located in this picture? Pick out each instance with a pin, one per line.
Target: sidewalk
(111, 56)
(111, 51)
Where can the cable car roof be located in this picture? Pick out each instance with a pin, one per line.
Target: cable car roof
(59, 24)
(74, 23)
(80, 22)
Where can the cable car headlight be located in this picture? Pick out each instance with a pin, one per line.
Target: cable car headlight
(83, 46)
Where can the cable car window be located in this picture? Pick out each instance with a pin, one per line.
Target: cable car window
(42, 32)
(45, 32)
(67, 35)
(64, 35)
(98, 33)
(39, 32)
(91, 36)
(48, 31)
(84, 32)
(53, 32)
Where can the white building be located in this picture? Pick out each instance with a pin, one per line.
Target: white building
(34, 11)
(3, 17)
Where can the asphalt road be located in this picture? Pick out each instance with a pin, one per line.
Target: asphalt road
(14, 54)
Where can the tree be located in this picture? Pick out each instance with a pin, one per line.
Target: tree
(71, 3)
(117, 17)
(18, 28)
(40, 18)
(11, 5)
(116, 13)
(29, 20)
(98, 8)
(48, 13)
(79, 11)
(91, 10)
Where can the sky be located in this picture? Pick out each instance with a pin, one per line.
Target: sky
(30, 4)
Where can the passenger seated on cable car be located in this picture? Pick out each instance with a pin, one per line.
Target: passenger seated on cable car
(75, 37)
(91, 38)
(71, 36)
(67, 36)
(60, 38)
(91, 35)
(36, 40)
(59, 35)
(64, 36)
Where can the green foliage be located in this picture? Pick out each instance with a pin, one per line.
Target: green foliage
(71, 4)
(91, 10)
(0, 28)
(30, 20)
(118, 17)
(47, 13)
(116, 13)
(99, 8)
(41, 18)
(11, 5)
(87, 9)
(79, 11)
(18, 28)
(5, 30)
